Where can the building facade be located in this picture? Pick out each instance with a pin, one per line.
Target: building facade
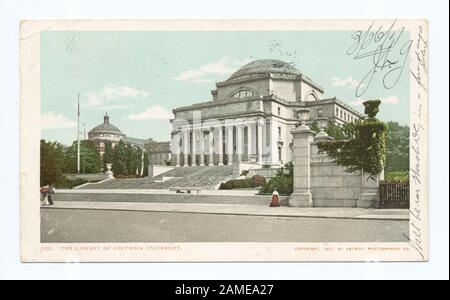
(251, 116)
(159, 153)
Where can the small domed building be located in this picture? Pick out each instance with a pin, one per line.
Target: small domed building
(105, 132)
(251, 116)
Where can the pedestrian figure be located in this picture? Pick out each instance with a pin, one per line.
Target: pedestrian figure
(44, 194)
(51, 191)
(275, 202)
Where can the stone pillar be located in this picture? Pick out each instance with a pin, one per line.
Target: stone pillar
(249, 142)
(194, 147)
(211, 147)
(239, 142)
(174, 148)
(219, 144)
(202, 148)
(369, 191)
(259, 140)
(229, 145)
(186, 148)
(301, 197)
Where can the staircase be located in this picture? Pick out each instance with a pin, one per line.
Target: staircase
(203, 177)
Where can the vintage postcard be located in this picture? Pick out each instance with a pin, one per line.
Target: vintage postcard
(224, 140)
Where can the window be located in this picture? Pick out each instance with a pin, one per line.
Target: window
(279, 132)
(279, 154)
(279, 111)
(340, 114)
(319, 113)
(337, 111)
(243, 94)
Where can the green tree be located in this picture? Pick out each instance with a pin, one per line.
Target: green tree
(108, 154)
(146, 163)
(397, 147)
(336, 131)
(365, 147)
(139, 161)
(90, 161)
(51, 163)
(119, 166)
(315, 127)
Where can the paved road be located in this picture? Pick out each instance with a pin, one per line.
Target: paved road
(102, 226)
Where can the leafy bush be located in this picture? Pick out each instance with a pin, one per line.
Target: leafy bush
(247, 183)
(283, 182)
(397, 176)
(258, 181)
(371, 108)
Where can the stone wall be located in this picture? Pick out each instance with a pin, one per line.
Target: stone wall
(88, 177)
(155, 170)
(332, 187)
(319, 182)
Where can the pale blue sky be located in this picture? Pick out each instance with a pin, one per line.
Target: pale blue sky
(139, 77)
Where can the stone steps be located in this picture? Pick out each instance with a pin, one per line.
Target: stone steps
(194, 176)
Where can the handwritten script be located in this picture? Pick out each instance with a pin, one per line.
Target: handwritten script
(419, 67)
(385, 51)
(421, 54)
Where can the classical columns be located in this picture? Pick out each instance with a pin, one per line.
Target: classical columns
(229, 145)
(202, 147)
(194, 147)
(259, 142)
(176, 149)
(220, 144)
(211, 147)
(249, 142)
(239, 143)
(186, 148)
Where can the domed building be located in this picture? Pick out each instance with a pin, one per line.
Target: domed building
(103, 133)
(251, 116)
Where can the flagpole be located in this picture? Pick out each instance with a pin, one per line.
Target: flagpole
(78, 135)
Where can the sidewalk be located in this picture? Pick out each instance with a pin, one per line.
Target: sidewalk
(246, 193)
(247, 210)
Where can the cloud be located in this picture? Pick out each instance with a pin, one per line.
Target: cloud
(52, 120)
(348, 83)
(386, 100)
(111, 92)
(111, 107)
(152, 113)
(224, 66)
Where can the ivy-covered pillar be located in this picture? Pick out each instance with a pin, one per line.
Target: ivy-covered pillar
(303, 137)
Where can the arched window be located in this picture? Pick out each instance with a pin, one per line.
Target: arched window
(243, 94)
(311, 96)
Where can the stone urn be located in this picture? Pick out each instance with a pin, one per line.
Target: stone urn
(109, 174)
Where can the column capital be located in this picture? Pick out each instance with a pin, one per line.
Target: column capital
(260, 122)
